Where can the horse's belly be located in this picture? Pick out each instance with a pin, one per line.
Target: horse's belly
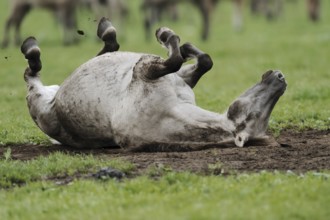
(86, 100)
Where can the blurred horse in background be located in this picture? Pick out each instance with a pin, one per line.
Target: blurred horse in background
(313, 7)
(116, 10)
(111, 9)
(154, 9)
(273, 8)
(64, 12)
(270, 8)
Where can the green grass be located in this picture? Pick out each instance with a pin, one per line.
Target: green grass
(175, 196)
(292, 44)
(17, 173)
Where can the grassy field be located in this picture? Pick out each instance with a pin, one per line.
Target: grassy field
(174, 196)
(293, 44)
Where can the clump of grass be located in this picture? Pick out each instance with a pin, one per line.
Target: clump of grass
(15, 172)
(216, 168)
(158, 170)
(7, 154)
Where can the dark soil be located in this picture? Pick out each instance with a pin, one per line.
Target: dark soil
(297, 151)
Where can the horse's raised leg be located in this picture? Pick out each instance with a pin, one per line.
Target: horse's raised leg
(40, 98)
(193, 72)
(31, 52)
(152, 68)
(107, 33)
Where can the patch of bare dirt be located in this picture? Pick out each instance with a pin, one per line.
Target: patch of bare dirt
(298, 151)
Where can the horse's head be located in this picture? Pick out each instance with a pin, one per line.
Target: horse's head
(250, 112)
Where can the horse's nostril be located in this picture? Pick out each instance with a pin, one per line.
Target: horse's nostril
(280, 76)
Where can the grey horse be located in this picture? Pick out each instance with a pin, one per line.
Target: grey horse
(142, 101)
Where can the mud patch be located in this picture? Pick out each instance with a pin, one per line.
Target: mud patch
(298, 151)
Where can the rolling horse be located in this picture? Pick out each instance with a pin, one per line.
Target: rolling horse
(143, 101)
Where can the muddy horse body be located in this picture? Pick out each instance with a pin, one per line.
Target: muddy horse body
(134, 100)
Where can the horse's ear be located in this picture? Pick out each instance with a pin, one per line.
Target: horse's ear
(266, 74)
(234, 110)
